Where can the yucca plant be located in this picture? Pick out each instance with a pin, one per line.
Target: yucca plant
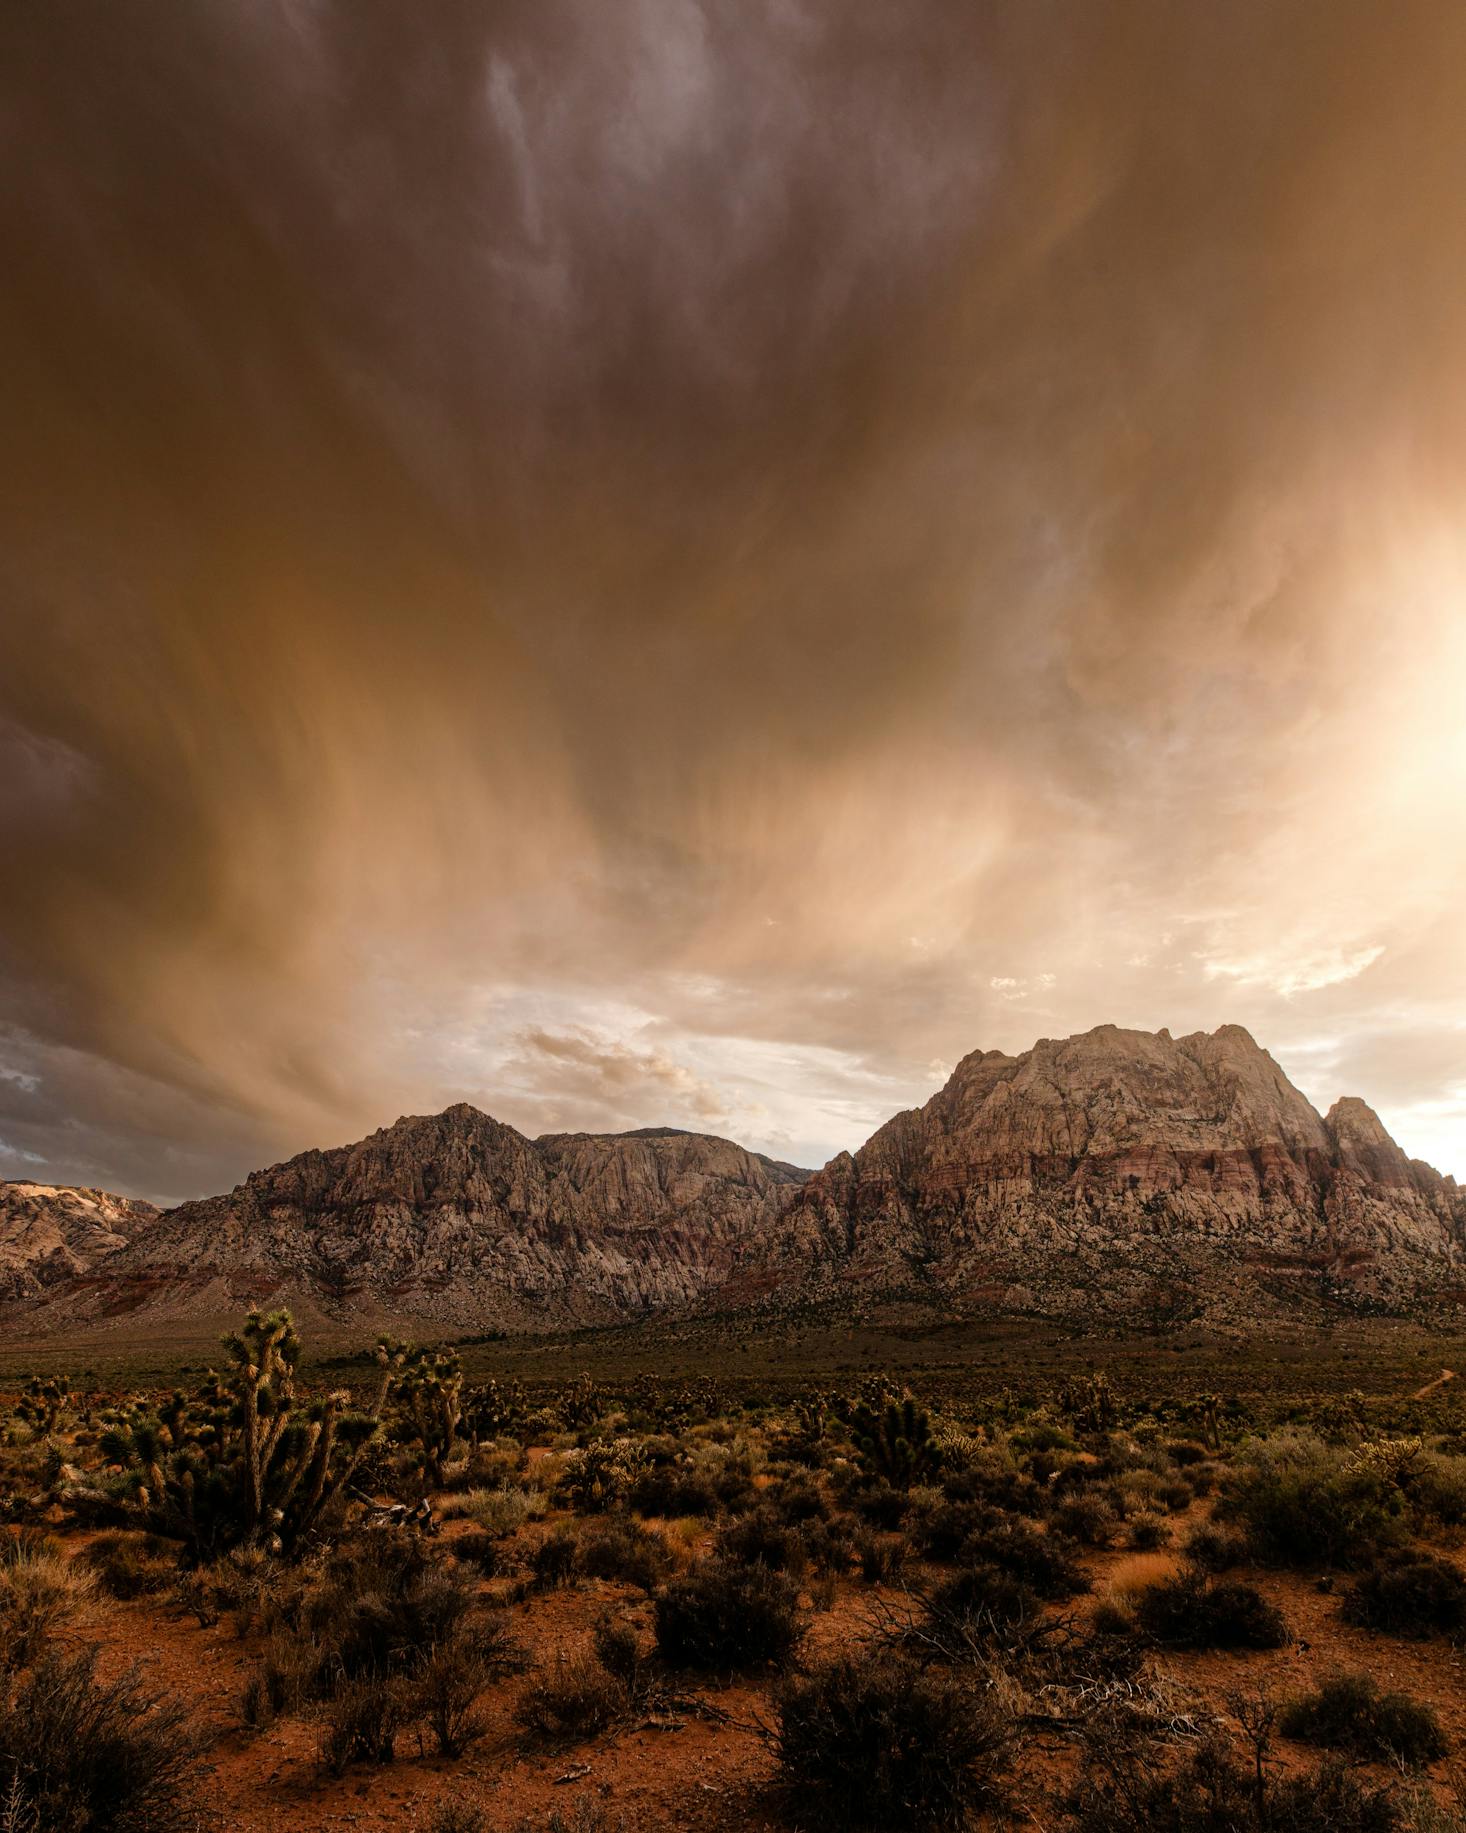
(242, 1460)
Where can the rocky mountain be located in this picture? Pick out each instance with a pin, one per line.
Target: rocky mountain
(50, 1233)
(458, 1218)
(1116, 1177)
(1129, 1175)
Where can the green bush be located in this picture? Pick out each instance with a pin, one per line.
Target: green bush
(874, 1741)
(1302, 1503)
(719, 1617)
(1209, 1792)
(574, 1698)
(553, 1560)
(1349, 1712)
(131, 1565)
(1417, 1596)
(87, 1756)
(976, 1608)
(1216, 1549)
(1189, 1611)
(620, 1548)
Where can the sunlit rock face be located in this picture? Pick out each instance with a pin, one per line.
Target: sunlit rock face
(1124, 1175)
(50, 1233)
(1117, 1178)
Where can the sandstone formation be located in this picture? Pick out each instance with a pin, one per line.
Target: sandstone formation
(1117, 1177)
(50, 1233)
(1127, 1175)
(458, 1218)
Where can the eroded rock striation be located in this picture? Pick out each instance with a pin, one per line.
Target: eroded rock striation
(1117, 1177)
(1127, 1175)
(458, 1218)
(51, 1233)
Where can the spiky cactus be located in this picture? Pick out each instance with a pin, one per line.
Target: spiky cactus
(428, 1385)
(895, 1441)
(242, 1460)
(1089, 1402)
(41, 1403)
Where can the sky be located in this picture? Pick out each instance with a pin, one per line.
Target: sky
(695, 562)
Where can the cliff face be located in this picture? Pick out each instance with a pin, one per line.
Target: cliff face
(461, 1219)
(1123, 1174)
(50, 1233)
(1117, 1178)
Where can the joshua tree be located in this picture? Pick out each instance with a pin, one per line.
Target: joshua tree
(41, 1402)
(242, 1460)
(895, 1441)
(428, 1384)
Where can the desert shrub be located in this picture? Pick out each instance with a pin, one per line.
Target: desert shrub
(1302, 1503)
(285, 1676)
(1174, 1494)
(449, 1683)
(942, 1532)
(976, 1608)
(90, 1756)
(1435, 1490)
(620, 1548)
(362, 1721)
(131, 1565)
(1215, 1549)
(877, 1741)
(1417, 1596)
(618, 1648)
(1090, 1519)
(881, 1557)
(575, 1697)
(880, 1506)
(1147, 1532)
(1186, 1452)
(761, 1538)
(1349, 1712)
(1190, 1611)
(382, 1604)
(600, 1475)
(719, 1617)
(1047, 1563)
(1041, 1435)
(671, 1492)
(827, 1544)
(798, 1502)
(450, 1816)
(40, 1592)
(1123, 1791)
(481, 1550)
(497, 1511)
(553, 1560)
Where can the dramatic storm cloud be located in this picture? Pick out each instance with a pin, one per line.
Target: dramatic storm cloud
(695, 562)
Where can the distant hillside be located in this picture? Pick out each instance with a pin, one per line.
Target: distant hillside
(1114, 1178)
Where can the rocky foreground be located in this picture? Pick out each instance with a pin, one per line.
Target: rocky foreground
(1118, 1176)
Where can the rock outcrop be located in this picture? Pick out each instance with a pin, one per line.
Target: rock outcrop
(458, 1218)
(50, 1233)
(1117, 1177)
(1125, 1175)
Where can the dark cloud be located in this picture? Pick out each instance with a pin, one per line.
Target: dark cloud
(702, 560)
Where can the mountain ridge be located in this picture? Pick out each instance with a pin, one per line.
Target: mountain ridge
(1116, 1172)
